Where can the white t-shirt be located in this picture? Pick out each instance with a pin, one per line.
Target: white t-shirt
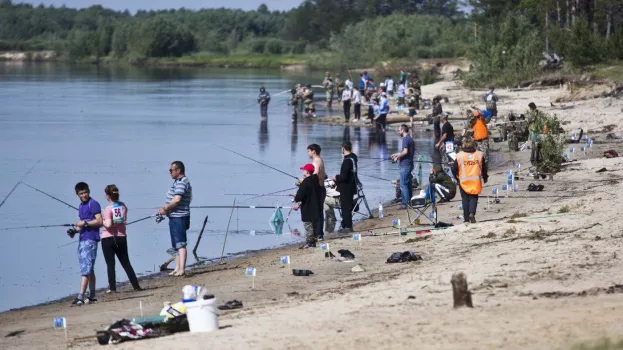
(349, 84)
(390, 85)
(346, 95)
(356, 98)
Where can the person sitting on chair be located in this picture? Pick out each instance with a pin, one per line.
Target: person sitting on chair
(442, 183)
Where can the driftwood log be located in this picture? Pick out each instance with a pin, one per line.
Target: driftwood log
(461, 294)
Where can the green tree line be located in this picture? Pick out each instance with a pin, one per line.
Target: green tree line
(504, 39)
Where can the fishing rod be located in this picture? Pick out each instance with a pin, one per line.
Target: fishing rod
(253, 194)
(18, 183)
(268, 194)
(51, 196)
(239, 207)
(266, 165)
(41, 226)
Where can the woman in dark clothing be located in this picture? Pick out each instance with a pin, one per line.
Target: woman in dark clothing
(308, 199)
(346, 182)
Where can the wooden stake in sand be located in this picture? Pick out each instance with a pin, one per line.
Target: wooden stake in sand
(462, 296)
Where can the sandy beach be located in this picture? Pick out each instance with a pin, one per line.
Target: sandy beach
(544, 268)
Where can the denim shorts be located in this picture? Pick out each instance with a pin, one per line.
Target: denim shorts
(87, 252)
(177, 229)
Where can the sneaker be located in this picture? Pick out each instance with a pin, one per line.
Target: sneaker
(472, 218)
(111, 291)
(308, 245)
(90, 301)
(345, 230)
(355, 120)
(321, 238)
(78, 302)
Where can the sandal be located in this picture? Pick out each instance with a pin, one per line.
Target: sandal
(231, 305)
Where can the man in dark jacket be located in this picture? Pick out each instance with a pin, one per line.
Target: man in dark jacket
(308, 198)
(442, 183)
(347, 186)
(263, 99)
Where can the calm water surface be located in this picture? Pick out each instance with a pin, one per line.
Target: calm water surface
(125, 126)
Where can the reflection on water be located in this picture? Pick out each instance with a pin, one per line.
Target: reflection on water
(125, 126)
(263, 135)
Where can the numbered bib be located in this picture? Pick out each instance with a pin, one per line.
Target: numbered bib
(449, 147)
(118, 212)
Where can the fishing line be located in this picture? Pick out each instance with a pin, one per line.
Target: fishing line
(266, 165)
(289, 189)
(238, 207)
(17, 184)
(41, 226)
(51, 196)
(375, 177)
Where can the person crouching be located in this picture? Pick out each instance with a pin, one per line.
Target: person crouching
(442, 183)
(308, 199)
(470, 168)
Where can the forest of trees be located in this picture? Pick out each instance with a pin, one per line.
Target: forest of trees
(495, 34)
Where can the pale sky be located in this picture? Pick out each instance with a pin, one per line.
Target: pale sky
(134, 5)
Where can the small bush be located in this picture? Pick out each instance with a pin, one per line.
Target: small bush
(564, 209)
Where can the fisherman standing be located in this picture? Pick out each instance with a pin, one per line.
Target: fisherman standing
(346, 182)
(90, 214)
(437, 112)
(411, 103)
(389, 85)
(327, 83)
(447, 133)
(294, 101)
(356, 100)
(313, 151)
(308, 100)
(177, 208)
(307, 198)
(381, 120)
(481, 133)
(491, 102)
(263, 99)
(346, 102)
(339, 85)
(406, 164)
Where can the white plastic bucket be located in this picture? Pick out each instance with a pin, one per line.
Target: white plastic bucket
(202, 315)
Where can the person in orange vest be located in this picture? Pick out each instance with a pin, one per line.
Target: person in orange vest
(481, 133)
(470, 168)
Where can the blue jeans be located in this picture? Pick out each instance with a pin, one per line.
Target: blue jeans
(177, 229)
(406, 183)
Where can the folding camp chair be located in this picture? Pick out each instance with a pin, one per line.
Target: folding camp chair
(359, 198)
(420, 205)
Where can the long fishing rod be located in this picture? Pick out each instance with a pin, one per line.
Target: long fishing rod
(266, 165)
(18, 183)
(239, 207)
(271, 193)
(41, 226)
(253, 194)
(51, 196)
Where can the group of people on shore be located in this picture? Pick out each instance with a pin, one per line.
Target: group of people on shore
(113, 237)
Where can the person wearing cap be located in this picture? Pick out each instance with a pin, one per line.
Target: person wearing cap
(313, 151)
(470, 168)
(308, 199)
(327, 83)
(491, 101)
(346, 182)
(263, 99)
(442, 183)
(412, 103)
(381, 120)
(481, 133)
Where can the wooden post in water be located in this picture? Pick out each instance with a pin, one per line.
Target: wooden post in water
(205, 221)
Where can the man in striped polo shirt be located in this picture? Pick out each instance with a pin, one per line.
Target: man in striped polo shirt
(177, 208)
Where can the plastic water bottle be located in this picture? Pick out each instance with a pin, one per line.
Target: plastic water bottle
(460, 207)
(381, 212)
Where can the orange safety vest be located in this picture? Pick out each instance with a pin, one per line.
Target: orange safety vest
(480, 129)
(470, 171)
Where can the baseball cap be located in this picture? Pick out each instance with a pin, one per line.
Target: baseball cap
(309, 168)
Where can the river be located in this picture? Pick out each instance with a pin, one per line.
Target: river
(124, 126)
